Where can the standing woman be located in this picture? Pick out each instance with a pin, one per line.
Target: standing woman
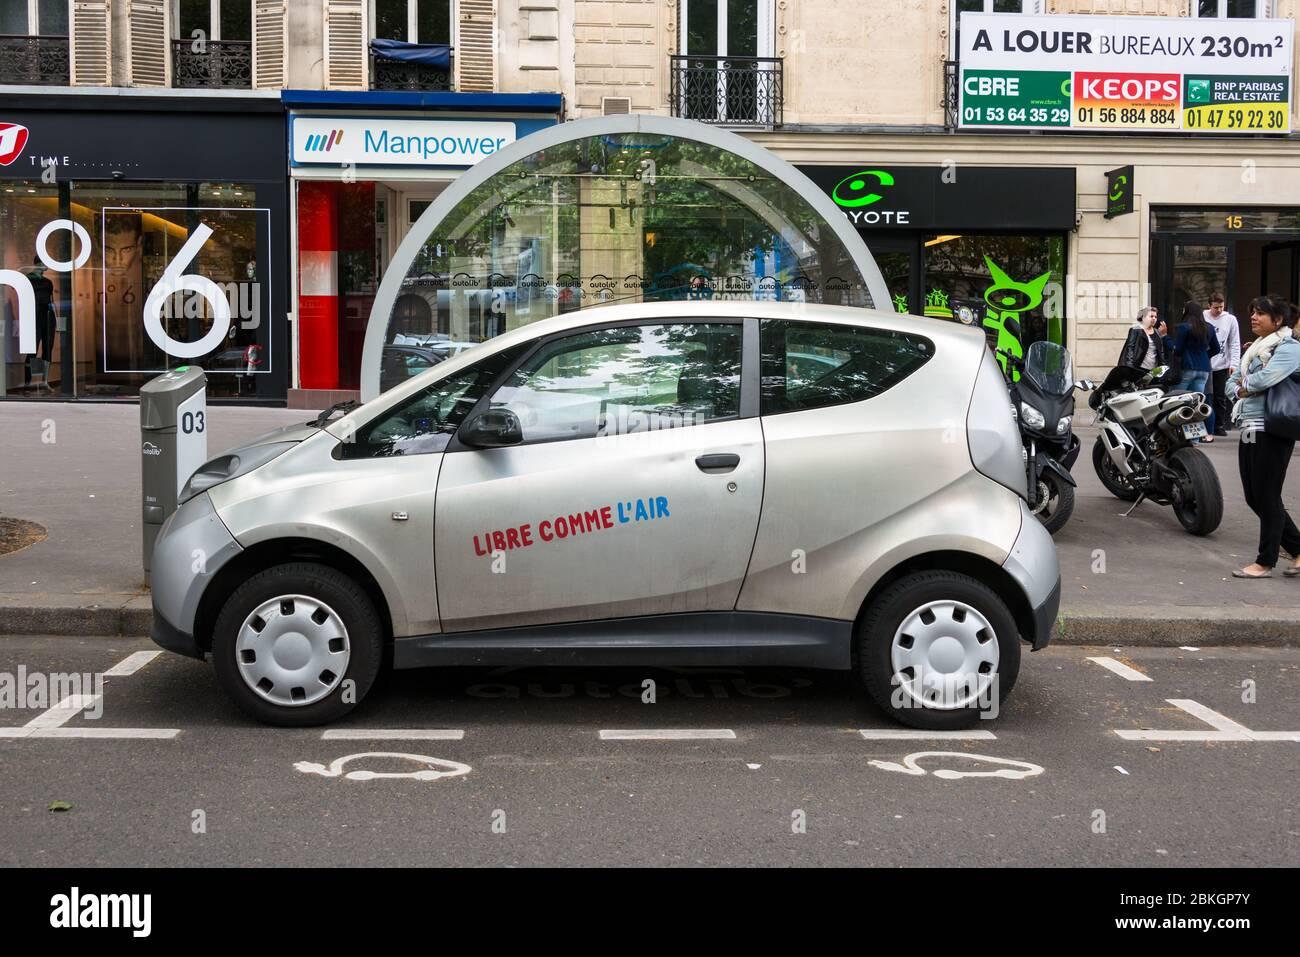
(1194, 344)
(1263, 458)
(1143, 349)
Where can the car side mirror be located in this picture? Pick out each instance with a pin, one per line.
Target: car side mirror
(492, 429)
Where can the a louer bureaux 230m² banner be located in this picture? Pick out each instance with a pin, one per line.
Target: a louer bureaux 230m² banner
(1125, 73)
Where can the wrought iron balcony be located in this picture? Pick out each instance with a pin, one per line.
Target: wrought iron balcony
(388, 74)
(733, 90)
(217, 64)
(950, 104)
(34, 61)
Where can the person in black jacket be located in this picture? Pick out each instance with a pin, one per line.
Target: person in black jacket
(1143, 349)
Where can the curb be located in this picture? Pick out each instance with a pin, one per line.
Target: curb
(1165, 632)
(89, 622)
(1131, 631)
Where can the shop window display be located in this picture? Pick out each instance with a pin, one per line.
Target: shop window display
(97, 311)
(985, 280)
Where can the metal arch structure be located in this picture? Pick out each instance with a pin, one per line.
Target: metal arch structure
(390, 286)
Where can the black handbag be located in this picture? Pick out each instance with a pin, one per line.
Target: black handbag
(1282, 409)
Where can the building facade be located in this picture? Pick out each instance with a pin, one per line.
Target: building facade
(305, 138)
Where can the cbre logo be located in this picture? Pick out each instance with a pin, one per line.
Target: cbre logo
(322, 143)
(12, 140)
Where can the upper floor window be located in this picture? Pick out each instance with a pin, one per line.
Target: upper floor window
(986, 6)
(1235, 9)
(220, 20)
(412, 21)
(46, 18)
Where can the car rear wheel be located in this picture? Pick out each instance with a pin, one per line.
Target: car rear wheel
(297, 645)
(938, 649)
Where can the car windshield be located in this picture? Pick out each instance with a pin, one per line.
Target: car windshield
(1048, 366)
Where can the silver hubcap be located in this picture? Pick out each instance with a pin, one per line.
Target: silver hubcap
(293, 650)
(944, 656)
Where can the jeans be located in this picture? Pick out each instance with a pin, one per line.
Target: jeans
(1263, 460)
(1222, 407)
(1194, 381)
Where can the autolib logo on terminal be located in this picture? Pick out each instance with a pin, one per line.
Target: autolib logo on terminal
(322, 143)
(12, 140)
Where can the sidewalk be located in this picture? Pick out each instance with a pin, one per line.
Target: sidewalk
(1135, 581)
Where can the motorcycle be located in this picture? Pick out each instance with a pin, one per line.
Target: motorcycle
(1144, 451)
(1042, 399)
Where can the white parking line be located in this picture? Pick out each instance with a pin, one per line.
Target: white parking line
(1225, 729)
(393, 734)
(910, 734)
(131, 664)
(668, 734)
(1121, 669)
(64, 711)
(122, 733)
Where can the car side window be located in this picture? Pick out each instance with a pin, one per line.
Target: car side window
(426, 421)
(626, 379)
(811, 365)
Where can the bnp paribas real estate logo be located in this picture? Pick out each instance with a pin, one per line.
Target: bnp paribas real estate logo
(1198, 91)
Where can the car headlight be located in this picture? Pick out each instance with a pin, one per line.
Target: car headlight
(225, 467)
(1063, 426)
(1031, 416)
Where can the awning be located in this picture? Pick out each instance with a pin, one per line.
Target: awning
(435, 55)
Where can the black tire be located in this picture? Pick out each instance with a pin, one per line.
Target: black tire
(365, 639)
(1060, 502)
(1201, 513)
(875, 638)
(1109, 476)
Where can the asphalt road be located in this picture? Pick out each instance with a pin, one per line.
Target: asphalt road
(543, 787)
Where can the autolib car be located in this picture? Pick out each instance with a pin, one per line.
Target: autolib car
(650, 484)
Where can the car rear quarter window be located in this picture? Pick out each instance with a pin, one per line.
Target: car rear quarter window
(811, 365)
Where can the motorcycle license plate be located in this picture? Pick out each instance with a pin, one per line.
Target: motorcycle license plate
(1194, 430)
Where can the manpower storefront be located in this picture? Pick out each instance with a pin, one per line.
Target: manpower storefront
(1012, 214)
(364, 167)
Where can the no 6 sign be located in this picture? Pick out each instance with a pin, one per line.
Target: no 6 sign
(173, 279)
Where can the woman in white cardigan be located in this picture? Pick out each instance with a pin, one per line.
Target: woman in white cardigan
(1263, 458)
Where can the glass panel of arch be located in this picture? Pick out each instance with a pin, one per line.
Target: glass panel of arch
(617, 218)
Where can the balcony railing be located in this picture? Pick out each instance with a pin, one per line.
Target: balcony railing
(400, 75)
(34, 61)
(951, 101)
(734, 90)
(217, 64)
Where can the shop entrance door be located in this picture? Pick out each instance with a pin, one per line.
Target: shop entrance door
(1280, 268)
(899, 259)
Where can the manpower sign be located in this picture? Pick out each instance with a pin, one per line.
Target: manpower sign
(1151, 74)
(391, 141)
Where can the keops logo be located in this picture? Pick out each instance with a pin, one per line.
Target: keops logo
(320, 143)
(12, 140)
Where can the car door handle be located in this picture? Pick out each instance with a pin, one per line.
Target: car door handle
(718, 462)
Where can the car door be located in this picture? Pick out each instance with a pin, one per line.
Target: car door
(635, 491)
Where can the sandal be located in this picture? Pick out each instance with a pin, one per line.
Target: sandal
(1291, 571)
(1207, 439)
(1242, 573)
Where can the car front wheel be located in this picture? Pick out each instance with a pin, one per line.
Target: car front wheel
(937, 650)
(297, 645)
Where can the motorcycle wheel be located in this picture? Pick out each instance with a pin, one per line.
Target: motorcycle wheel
(1109, 475)
(1200, 506)
(1056, 501)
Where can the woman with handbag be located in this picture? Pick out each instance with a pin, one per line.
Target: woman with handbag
(1143, 348)
(1268, 414)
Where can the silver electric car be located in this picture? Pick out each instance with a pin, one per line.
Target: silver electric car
(691, 483)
